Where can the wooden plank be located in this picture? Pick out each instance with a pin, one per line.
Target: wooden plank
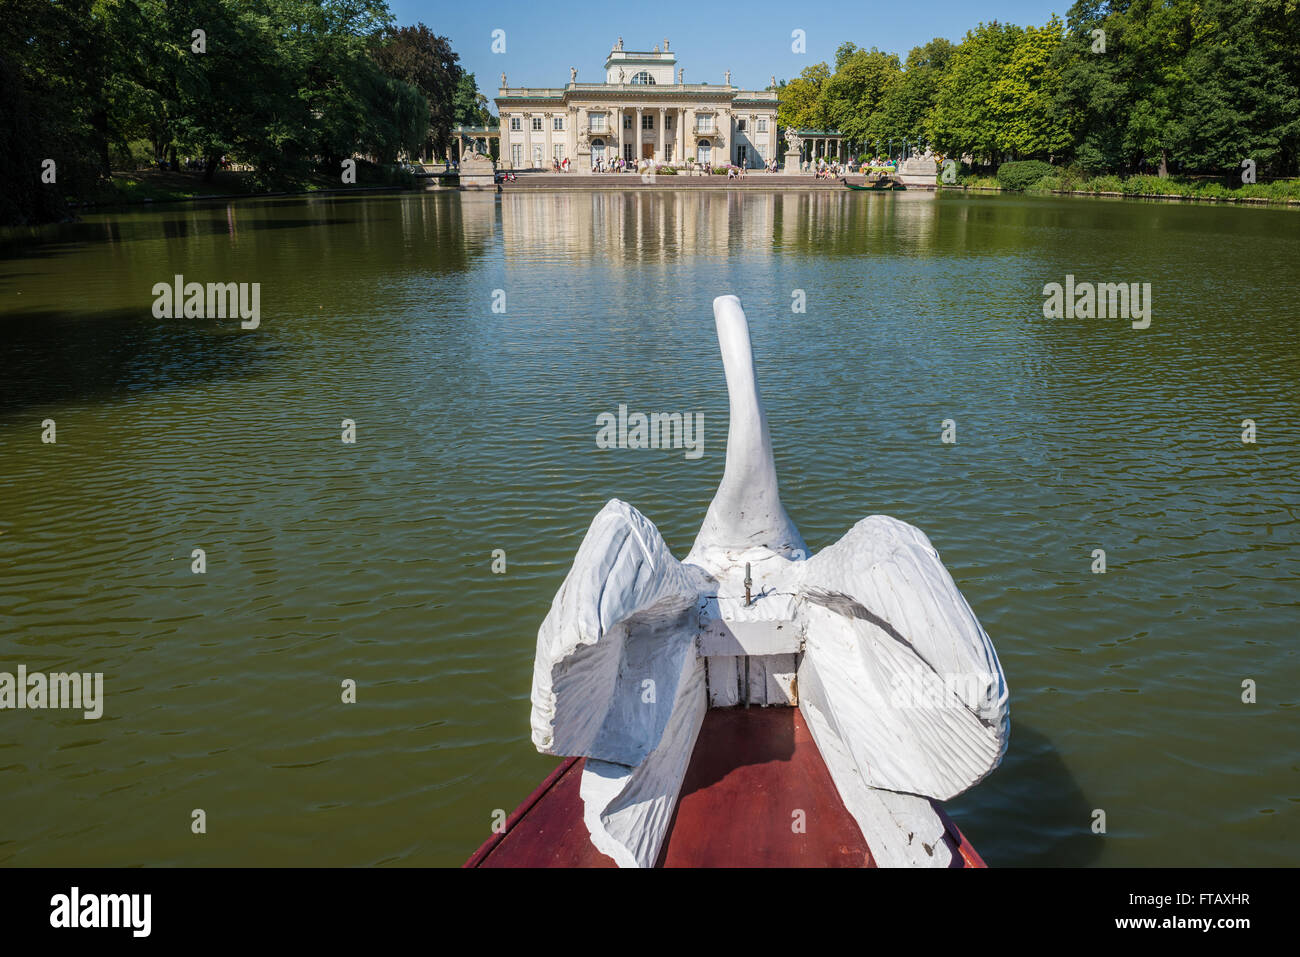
(724, 681)
(547, 829)
(781, 672)
(749, 638)
(751, 771)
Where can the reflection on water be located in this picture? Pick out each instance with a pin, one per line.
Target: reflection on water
(476, 431)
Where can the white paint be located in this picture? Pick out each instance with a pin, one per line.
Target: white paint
(835, 635)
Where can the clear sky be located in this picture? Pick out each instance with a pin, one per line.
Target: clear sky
(752, 39)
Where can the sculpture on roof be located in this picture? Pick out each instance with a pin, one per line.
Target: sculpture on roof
(619, 44)
(728, 75)
(573, 74)
(503, 79)
(665, 44)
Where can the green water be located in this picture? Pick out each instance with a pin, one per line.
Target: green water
(476, 431)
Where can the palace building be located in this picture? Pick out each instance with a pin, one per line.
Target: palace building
(642, 109)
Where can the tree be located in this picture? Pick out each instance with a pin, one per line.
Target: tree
(1024, 95)
(426, 61)
(52, 108)
(907, 103)
(852, 95)
(471, 106)
(1241, 97)
(800, 104)
(967, 112)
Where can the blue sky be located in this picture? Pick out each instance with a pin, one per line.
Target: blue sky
(752, 39)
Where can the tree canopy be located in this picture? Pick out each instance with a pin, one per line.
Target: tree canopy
(1118, 86)
(282, 85)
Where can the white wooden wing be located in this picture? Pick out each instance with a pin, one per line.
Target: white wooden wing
(614, 646)
(914, 685)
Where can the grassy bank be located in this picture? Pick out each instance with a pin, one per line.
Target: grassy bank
(1075, 182)
(163, 186)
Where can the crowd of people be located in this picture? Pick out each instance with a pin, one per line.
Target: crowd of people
(835, 169)
(822, 167)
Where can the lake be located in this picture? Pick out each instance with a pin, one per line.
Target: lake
(474, 340)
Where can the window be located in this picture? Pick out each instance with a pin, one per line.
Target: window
(762, 124)
(597, 122)
(515, 124)
(740, 126)
(558, 124)
(648, 121)
(668, 152)
(558, 151)
(703, 124)
(627, 152)
(742, 156)
(537, 124)
(517, 156)
(668, 121)
(643, 79)
(703, 153)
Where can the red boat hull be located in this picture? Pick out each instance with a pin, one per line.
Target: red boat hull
(756, 794)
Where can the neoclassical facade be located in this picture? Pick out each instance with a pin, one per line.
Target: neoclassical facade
(643, 109)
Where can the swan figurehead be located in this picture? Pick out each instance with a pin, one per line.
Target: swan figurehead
(897, 681)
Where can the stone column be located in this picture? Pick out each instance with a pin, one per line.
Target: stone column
(681, 135)
(636, 134)
(550, 153)
(660, 151)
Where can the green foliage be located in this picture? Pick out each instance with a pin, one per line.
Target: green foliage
(426, 61)
(800, 105)
(1175, 86)
(288, 86)
(1023, 174)
(852, 96)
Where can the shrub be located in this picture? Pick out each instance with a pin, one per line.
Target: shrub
(666, 171)
(1103, 184)
(1070, 178)
(1022, 174)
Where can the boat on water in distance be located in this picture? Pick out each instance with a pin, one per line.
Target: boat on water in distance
(882, 185)
(753, 704)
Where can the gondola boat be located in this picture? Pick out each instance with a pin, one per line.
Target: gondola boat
(882, 185)
(754, 704)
